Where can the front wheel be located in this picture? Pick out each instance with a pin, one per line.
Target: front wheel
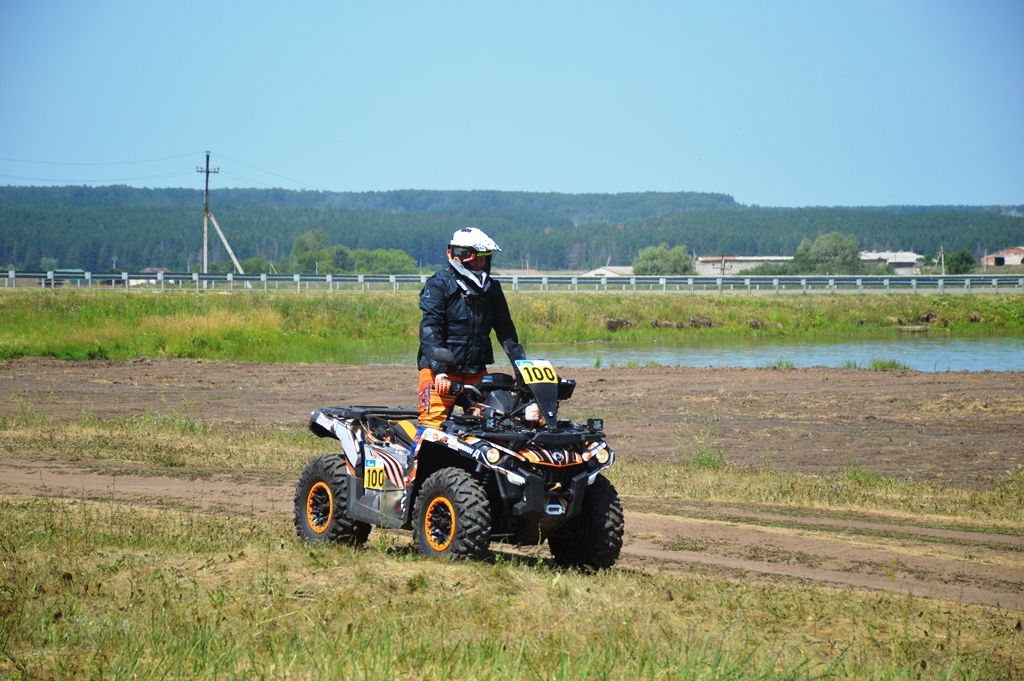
(593, 539)
(453, 516)
(320, 501)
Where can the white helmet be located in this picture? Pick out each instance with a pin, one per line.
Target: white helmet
(470, 244)
(473, 238)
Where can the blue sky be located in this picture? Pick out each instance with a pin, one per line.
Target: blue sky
(778, 103)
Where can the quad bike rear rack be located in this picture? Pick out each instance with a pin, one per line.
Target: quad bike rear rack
(361, 412)
(358, 413)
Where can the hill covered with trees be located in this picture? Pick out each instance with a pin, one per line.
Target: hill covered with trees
(92, 227)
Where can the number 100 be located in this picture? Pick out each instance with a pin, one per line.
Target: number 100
(540, 374)
(374, 478)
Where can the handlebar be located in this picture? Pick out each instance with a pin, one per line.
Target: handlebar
(459, 388)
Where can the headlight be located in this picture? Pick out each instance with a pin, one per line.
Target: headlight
(602, 456)
(492, 455)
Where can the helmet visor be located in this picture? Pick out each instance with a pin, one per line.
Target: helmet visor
(465, 254)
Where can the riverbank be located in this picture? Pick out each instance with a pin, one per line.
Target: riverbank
(345, 327)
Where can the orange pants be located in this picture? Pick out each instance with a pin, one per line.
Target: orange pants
(435, 408)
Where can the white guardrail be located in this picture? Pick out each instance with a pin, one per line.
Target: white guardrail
(973, 283)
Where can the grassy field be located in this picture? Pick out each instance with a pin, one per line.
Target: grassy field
(93, 589)
(342, 327)
(103, 588)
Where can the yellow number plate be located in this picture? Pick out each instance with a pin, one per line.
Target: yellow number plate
(373, 475)
(537, 371)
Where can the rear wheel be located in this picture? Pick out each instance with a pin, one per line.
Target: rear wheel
(593, 539)
(320, 500)
(453, 516)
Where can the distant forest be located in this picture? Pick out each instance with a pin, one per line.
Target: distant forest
(91, 227)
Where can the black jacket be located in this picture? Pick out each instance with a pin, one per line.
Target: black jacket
(460, 318)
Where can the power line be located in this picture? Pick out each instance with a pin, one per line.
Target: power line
(304, 185)
(99, 181)
(299, 183)
(96, 163)
(247, 179)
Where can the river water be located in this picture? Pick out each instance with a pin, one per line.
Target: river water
(921, 353)
(918, 352)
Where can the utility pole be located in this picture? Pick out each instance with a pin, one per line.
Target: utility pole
(208, 217)
(206, 210)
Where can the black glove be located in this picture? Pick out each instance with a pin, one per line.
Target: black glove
(514, 351)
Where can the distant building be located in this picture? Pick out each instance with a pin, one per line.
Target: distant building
(728, 265)
(610, 271)
(149, 280)
(902, 262)
(1007, 256)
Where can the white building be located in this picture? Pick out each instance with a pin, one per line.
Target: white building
(728, 265)
(902, 262)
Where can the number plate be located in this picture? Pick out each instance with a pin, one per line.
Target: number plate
(536, 371)
(373, 474)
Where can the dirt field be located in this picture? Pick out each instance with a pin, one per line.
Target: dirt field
(963, 429)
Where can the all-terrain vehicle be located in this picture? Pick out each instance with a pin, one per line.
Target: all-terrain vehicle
(504, 469)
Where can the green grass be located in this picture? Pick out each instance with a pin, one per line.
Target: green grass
(174, 440)
(888, 365)
(877, 365)
(104, 590)
(708, 459)
(360, 327)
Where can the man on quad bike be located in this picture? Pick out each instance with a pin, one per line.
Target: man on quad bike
(506, 469)
(461, 304)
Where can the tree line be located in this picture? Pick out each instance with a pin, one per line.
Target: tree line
(99, 228)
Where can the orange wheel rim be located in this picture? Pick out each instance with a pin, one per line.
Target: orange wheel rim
(439, 524)
(319, 507)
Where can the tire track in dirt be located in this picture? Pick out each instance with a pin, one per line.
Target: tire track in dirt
(836, 521)
(140, 486)
(950, 570)
(741, 541)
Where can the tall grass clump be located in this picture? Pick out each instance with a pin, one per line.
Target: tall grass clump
(888, 365)
(700, 443)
